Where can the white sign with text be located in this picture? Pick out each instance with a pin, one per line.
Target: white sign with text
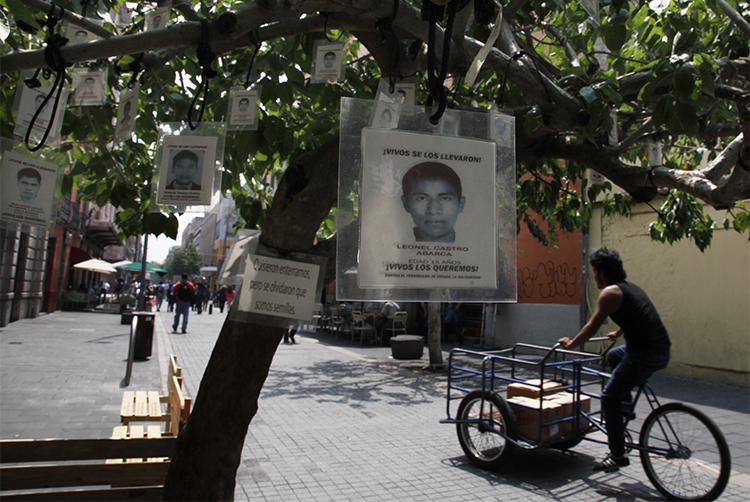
(279, 288)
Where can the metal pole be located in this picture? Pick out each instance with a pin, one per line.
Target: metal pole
(141, 293)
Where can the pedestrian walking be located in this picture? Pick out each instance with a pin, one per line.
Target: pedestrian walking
(184, 292)
(221, 298)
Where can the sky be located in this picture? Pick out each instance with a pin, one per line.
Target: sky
(158, 247)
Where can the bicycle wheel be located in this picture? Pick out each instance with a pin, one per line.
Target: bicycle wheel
(685, 454)
(483, 445)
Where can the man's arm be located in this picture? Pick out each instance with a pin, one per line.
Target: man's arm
(609, 301)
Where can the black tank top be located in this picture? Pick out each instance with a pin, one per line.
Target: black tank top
(639, 321)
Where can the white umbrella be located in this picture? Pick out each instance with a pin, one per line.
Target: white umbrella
(96, 265)
(122, 263)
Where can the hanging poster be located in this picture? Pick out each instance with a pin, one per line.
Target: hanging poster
(89, 87)
(328, 62)
(186, 171)
(279, 288)
(403, 92)
(157, 18)
(78, 35)
(243, 109)
(428, 217)
(127, 112)
(30, 100)
(28, 188)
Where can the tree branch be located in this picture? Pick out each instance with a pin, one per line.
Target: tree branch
(735, 17)
(641, 182)
(70, 17)
(635, 135)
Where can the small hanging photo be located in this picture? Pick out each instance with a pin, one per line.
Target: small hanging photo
(28, 189)
(78, 35)
(127, 112)
(386, 115)
(403, 92)
(243, 109)
(30, 101)
(186, 171)
(89, 87)
(157, 18)
(328, 62)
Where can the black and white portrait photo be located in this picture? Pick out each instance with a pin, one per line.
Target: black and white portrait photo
(327, 62)
(30, 101)
(186, 170)
(89, 87)
(28, 187)
(428, 215)
(127, 112)
(156, 19)
(244, 109)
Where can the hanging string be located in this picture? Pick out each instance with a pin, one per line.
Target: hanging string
(205, 58)
(255, 40)
(57, 64)
(385, 26)
(85, 5)
(325, 29)
(434, 80)
(515, 57)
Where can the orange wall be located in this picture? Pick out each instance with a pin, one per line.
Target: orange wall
(549, 274)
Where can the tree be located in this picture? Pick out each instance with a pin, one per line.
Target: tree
(184, 261)
(676, 75)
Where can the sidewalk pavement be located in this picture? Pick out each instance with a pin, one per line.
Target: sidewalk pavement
(336, 421)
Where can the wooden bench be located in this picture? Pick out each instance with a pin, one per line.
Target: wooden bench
(146, 406)
(84, 469)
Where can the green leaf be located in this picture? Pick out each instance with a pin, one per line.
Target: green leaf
(588, 94)
(20, 12)
(687, 117)
(684, 83)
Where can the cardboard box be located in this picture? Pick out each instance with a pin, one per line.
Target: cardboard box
(567, 399)
(532, 388)
(527, 412)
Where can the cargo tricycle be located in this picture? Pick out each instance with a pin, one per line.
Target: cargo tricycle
(530, 396)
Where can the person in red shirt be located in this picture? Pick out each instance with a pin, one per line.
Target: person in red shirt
(184, 292)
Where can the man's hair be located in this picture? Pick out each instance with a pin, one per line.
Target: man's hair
(29, 172)
(608, 263)
(185, 154)
(184, 277)
(329, 53)
(245, 100)
(434, 170)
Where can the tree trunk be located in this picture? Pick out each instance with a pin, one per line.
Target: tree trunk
(209, 447)
(433, 336)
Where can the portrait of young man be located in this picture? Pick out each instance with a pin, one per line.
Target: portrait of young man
(29, 182)
(432, 196)
(428, 211)
(327, 63)
(185, 169)
(27, 188)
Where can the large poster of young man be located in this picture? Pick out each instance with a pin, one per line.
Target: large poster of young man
(28, 187)
(186, 170)
(428, 211)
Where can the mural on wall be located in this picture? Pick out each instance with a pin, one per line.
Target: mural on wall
(549, 281)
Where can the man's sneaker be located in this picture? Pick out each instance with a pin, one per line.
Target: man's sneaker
(612, 463)
(174, 329)
(184, 331)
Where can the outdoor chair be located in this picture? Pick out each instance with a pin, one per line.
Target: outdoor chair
(397, 325)
(360, 327)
